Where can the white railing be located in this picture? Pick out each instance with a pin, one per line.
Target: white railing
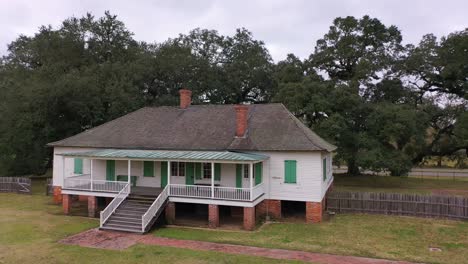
(222, 193)
(154, 208)
(257, 191)
(110, 209)
(73, 183)
(190, 191)
(232, 193)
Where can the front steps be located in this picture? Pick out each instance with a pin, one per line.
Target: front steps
(127, 217)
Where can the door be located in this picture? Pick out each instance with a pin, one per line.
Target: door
(245, 176)
(110, 170)
(189, 173)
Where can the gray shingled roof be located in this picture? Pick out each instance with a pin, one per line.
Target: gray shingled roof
(271, 127)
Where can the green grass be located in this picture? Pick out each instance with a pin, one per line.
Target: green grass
(390, 237)
(368, 183)
(30, 227)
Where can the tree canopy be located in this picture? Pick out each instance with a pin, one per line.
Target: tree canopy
(385, 105)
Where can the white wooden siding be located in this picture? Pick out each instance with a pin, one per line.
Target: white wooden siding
(308, 186)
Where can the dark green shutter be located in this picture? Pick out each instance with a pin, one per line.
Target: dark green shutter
(189, 173)
(238, 175)
(290, 171)
(110, 170)
(198, 174)
(78, 168)
(258, 173)
(163, 174)
(324, 168)
(217, 168)
(148, 168)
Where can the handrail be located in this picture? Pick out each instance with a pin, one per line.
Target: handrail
(110, 209)
(154, 208)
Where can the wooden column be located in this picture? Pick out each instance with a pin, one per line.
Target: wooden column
(212, 180)
(91, 172)
(251, 180)
(168, 176)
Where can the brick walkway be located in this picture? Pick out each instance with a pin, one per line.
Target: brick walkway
(119, 240)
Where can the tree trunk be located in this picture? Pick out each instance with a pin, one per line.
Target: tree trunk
(353, 169)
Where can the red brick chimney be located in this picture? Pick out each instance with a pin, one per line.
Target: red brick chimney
(241, 119)
(185, 98)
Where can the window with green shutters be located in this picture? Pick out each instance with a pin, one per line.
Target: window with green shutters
(239, 175)
(78, 168)
(110, 170)
(148, 168)
(290, 171)
(258, 173)
(163, 174)
(324, 167)
(217, 171)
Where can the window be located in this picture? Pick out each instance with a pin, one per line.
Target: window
(290, 171)
(324, 168)
(148, 169)
(78, 168)
(206, 170)
(245, 171)
(327, 165)
(178, 169)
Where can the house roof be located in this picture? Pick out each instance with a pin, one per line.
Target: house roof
(271, 127)
(168, 155)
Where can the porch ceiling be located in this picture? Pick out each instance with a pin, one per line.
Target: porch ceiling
(168, 155)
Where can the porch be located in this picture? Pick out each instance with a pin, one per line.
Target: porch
(214, 175)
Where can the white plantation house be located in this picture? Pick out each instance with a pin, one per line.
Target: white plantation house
(218, 163)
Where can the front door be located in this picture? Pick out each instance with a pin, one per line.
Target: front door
(110, 170)
(189, 173)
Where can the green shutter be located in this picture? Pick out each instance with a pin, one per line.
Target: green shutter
(198, 174)
(238, 175)
(110, 170)
(163, 174)
(189, 173)
(217, 168)
(290, 171)
(78, 169)
(258, 172)
(148, 168)
(324, 165)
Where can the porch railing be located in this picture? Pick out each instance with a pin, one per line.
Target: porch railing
(76, 183)
(110, 209)
(258, 190)
(154, 208)
(222, 193)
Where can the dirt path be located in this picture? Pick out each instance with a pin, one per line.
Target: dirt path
(119, 240)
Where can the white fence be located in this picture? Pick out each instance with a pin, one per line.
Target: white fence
(15, 184)
(110, 209)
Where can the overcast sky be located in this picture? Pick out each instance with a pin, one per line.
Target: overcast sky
(287, 26)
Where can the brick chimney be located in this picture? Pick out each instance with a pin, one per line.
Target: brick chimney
(241, 119)
(185, 98)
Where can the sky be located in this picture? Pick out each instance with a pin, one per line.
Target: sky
(288, 26)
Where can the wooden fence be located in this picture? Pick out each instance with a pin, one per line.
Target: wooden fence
(15, 184)
(454, 207)
(49, 187)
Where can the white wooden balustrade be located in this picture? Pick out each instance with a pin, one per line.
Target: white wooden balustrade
(110, 209)
(222, 193)
(154, 208)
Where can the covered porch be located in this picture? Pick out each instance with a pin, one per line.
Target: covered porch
(218, 175)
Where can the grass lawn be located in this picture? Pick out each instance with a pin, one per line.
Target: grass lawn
(370, 183)
(30, 227)
(391, 237)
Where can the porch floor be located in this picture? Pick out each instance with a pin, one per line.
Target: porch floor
(140, 190)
